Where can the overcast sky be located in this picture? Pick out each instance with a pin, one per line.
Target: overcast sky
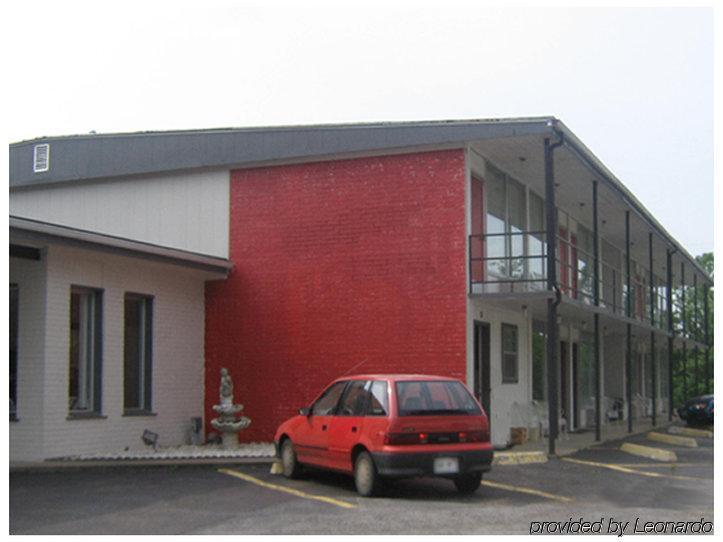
(636, 85)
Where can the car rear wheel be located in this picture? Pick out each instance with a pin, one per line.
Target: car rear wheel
(467, 484)
(366, 478)
(292, 468)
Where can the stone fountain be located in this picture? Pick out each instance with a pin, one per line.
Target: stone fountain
(226, 423)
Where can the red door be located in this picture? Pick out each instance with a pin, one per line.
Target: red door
(311, 438)
(347, 425)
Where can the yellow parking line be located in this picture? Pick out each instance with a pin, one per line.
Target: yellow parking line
(663, 465)
(527, 490)
(628, 470)
(290, 491)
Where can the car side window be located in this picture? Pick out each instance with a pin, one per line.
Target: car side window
(378, 399)
(326, 404)
(354, 401)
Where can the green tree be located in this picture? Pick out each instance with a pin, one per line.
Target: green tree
(692, 374)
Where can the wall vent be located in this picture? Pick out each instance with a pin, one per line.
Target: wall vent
(41, 158)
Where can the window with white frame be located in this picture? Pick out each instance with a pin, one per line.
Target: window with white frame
(510, 354)
(84, 386)
(137, 353)
(505, 223)
(536, 240)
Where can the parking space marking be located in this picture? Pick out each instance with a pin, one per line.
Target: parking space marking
(527, 490)
(627, 470)
(290, 491)
(663, 465)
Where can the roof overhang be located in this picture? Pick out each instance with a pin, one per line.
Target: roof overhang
(107, 156)
(45, 231)
(87, 157)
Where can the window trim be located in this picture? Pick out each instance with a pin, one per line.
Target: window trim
(516, 378)
(145, 408)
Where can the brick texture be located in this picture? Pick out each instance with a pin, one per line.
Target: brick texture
(344, 266)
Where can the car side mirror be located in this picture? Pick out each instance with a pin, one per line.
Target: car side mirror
(305, 411)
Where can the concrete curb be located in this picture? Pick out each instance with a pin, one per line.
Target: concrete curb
(672, 439)
(690, 432)
(519, 458)
(67, 466)
(658, 454)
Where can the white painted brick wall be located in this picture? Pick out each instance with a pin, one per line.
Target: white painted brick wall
(178, 354)
(26, 434)
(504, 396)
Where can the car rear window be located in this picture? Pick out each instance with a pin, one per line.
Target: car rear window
(434, 398)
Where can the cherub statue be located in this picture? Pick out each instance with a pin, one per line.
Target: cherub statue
(226, 389)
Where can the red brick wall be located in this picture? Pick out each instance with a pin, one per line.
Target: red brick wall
(338, 264)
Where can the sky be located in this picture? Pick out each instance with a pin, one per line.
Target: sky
(635, 84)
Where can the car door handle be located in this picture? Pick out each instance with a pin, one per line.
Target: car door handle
(323, 427)
(353, 429)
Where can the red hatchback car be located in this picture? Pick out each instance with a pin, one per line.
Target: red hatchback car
(390, 426)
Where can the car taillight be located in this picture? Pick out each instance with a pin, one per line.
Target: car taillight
(474, 436)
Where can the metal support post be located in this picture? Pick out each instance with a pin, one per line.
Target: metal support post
(653, 368)
(629, 314)
(596, 316)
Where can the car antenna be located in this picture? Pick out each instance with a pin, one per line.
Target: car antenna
(362, 362)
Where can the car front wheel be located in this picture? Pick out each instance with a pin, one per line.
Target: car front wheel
(292, 468)
(468, 483)
(366, 478)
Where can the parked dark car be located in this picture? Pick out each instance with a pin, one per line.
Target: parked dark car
(378, 427)
(698, 410)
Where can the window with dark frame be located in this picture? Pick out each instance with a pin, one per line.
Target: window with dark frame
(86, 329)
(510, 374)
(13, 340)
(137, 353)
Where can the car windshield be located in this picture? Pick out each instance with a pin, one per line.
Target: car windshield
(434, 398)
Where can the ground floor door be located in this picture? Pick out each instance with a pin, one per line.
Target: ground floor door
(482, 384)
(575, 387)
(564, 395)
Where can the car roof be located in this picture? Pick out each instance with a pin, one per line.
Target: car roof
(396, 377)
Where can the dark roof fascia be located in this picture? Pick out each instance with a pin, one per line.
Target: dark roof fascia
(110, 243)
(76, 158)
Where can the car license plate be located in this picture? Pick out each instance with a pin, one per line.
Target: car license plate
(446, 465)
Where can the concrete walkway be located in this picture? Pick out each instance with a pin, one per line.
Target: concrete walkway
(255, 452)
(263, 452)
(569, 443)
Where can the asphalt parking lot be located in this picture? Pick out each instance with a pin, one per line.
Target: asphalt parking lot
(599, 483)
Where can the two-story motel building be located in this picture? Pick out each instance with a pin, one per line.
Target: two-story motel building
(501, 252)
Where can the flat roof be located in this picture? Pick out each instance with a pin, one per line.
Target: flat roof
(93, 156)
(46, 230)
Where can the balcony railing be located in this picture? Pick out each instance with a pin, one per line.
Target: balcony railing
(517, 262)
